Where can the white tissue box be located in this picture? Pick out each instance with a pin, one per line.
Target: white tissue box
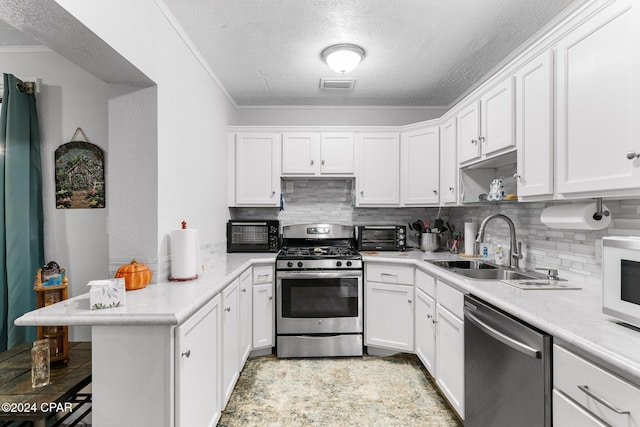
(107, 293)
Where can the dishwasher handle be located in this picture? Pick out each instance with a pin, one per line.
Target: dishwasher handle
(497, 335)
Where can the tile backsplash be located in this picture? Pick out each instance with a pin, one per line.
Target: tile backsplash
(573, 252)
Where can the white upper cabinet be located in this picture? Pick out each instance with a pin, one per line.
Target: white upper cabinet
(378, 176)
(316, 153)
(598, 103)
(469, 132)
(255, 162)
(486, 126)
(534, 126)
(420, 167)
(448, 163)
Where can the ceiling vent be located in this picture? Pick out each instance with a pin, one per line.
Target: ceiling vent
(337, 84)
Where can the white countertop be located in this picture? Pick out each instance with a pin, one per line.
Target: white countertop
(573, 317)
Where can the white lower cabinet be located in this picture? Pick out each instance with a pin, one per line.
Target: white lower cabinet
(197, 356)
(426, 330)
(586, 394)
(246, 314)
(450, 345)
(230, 340)
(390, 321)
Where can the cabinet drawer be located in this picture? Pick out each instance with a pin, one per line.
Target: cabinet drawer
(591, 386)
(263, 274)
(450, 298)
(385, 273)
(567, 413)
(426, 283)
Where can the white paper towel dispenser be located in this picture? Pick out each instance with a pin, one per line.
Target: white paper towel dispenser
(577, 216)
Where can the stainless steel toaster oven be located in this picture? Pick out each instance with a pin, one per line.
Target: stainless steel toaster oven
(382, 237)
(253, 236)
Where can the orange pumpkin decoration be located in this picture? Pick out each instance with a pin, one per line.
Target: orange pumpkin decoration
(136, 276)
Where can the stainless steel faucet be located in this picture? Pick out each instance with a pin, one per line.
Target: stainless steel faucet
(515, 248)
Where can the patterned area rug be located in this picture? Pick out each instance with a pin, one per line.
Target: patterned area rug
(367, 391)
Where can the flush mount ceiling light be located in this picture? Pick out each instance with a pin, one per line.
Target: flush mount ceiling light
(343, 57)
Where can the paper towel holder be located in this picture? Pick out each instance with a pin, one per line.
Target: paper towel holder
(599, 212)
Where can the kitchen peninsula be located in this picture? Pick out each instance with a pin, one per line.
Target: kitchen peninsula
(138, 361)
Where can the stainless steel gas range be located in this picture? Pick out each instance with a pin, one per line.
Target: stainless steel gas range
(319, 292)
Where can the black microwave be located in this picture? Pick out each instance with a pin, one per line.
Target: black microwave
(253, 236)
(382, 237)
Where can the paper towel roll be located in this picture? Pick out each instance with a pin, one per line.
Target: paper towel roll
(184, 254)
(469, 238)
(574, 217)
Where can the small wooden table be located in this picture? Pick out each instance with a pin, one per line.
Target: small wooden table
(36, 405)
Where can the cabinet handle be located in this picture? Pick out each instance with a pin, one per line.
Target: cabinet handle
(633, 155)
(362, 193)
(434, 321)
(585, 389)
(270, 298)
(227, 309)
(435, 192)
(311, 163)
(451, 189)
(273, 193)
(474, 141)
(322, 163)
(187, 354)
(409, 301)
(244, 290)
(429, 316)
(481, 138)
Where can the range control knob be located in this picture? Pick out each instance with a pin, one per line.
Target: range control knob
(400, 230)
(289, 264)
(349, 263)
(299, 264)
(339, 264)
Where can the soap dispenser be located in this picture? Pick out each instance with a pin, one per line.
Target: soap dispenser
(499, 254)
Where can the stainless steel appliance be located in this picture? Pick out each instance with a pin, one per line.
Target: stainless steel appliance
(382, 237)
(507, 369)
(318, 292)
(621, 278)
(253, 236)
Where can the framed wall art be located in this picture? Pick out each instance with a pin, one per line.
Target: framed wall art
(79, 174)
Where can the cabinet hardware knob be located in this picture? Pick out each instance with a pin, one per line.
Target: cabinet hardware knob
(270, 298)
(481, 138)
(227, 309)
(322, 162)
(409, 301)
(429, 316)
(244, 290)
(585, 389)
(434, 321)
(633, 155)
(362, 193)
(187, 354)
(451, 189)
(473, 141)
(311, 163)
(516, 176)
(435, 191)
(273, 193)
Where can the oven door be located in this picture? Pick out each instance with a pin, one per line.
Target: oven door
(319, 302)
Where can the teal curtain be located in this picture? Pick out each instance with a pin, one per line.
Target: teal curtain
(21, 211)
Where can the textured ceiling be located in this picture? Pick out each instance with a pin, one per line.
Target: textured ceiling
(419, 52)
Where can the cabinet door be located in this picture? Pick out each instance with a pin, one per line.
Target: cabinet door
(197, 361)
(378, 169)
(448, 164)
(389, 316)
(596, 106)
(337, 153)
(450, 357)
(497, 110)
(567, 413)
(246, 314)
(263, 315)
(534, 126)
(425, 328)
(469, 133)
(420, 167)
(230, 340)
(300, 152)
(257, 169)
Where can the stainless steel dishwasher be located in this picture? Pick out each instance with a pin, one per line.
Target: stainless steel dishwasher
(507, 366)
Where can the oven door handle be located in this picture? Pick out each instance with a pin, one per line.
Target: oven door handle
(314, 274)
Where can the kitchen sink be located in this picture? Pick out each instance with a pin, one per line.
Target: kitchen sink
(497, 274)
(463, 264)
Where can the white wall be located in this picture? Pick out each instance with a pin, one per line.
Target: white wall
(334, 116)
(192, 116)
(69, 98)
